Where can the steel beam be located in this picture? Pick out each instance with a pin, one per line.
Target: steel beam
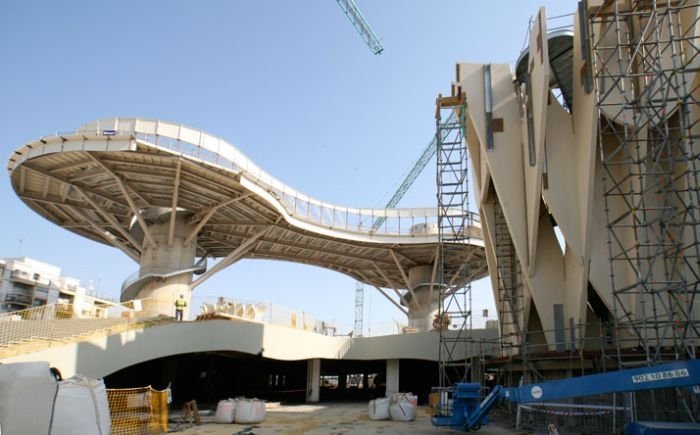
(173, 204)
(416, 304)
(230, 258)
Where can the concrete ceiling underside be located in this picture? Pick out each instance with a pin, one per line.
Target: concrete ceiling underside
(94, 193)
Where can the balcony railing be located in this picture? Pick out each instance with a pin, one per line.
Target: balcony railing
(198, 145)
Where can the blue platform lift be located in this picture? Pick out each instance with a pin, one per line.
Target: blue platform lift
(461, 406)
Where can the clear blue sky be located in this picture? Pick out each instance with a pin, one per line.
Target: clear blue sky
(290, 83)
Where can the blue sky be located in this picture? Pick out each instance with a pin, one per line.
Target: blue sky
(291, 84)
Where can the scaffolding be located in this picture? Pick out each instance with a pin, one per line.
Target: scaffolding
(454, 228)
(510, 289)
(643, 55)
(359, 308)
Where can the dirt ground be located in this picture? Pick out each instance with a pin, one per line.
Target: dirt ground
(328, 419)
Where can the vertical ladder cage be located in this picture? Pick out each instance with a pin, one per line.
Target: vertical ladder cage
(510, 290)
(644, 54)
(359, 309)
(454, 321)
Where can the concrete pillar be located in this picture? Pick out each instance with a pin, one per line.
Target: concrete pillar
(392, 377)
(313, 380)
(421, 316)
(167, 260)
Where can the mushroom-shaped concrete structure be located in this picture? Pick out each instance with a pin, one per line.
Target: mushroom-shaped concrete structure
(166, 194)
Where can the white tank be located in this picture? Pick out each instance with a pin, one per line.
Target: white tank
(231, 308)
(240, 311)
(424, 229)
(250, 312)
(260, 309)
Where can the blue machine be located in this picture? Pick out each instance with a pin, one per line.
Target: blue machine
(461, 407)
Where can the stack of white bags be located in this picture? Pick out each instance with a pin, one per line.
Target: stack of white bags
(400, 407)
(241, 410)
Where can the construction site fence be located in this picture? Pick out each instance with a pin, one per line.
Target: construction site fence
(138, 411)
(56, 324)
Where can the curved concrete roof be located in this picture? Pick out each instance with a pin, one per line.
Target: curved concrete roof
(96, 181)
(102, 356)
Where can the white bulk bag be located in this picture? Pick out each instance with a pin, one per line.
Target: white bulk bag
(403, 407)
(379, 409)
(250, 411)
(412, 398)
(27, 391)
(81, 407)
(225, 411)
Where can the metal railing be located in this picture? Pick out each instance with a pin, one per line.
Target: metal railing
(198, 145)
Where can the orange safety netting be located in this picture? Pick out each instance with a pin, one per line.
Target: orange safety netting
(138, 411)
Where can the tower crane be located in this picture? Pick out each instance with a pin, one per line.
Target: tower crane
(361, 25)
(412, 175)
(416, 169)
(363, 28)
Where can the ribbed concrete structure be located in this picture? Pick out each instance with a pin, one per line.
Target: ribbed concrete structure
(609, 168)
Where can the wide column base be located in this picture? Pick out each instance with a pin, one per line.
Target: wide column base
(167, 267)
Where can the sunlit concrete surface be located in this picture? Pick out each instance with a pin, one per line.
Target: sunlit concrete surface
(345, 418)
(102, 356)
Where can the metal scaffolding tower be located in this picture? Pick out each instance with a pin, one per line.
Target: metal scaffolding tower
(454, 320)
(643, 54)
(359, 308)
(510, 288)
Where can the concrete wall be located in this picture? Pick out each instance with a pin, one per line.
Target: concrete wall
(103, 356)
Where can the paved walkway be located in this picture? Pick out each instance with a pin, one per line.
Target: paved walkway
(330, 419)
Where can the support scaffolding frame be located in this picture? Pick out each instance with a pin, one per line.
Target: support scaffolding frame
(455, 220)
(644, 53)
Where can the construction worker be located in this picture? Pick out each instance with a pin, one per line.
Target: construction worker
(180, 305)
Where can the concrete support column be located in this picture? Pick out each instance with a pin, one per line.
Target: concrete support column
(313, 380)
(392, 377)
(166, 260)
(421, 316)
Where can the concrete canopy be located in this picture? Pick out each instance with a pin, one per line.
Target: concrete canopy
(113, 180)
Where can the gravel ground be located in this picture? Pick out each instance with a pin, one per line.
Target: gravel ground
(329, 419)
